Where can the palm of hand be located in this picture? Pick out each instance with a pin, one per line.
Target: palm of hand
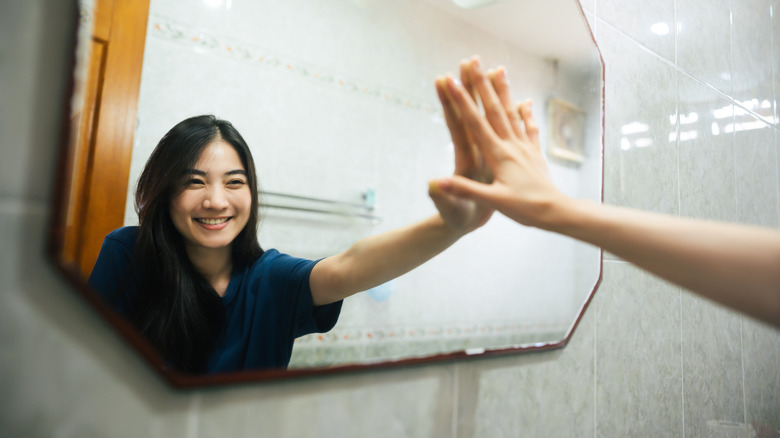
(460, 213)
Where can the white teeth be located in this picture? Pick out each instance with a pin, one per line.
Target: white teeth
(212, 221)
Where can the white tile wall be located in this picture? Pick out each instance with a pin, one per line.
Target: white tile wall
(634, 368)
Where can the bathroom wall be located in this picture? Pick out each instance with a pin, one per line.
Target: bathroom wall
(647, 360)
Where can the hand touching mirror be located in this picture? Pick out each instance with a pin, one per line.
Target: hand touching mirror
(709, 258)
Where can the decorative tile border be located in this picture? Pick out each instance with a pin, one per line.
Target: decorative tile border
(353, 335)
(190, 36)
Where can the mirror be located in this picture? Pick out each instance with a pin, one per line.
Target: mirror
(337, 103)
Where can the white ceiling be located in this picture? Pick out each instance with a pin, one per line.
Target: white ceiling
(546, 28)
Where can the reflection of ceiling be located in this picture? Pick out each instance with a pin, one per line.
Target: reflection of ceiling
(549, 28)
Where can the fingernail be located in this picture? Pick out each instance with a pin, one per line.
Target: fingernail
(503, 74)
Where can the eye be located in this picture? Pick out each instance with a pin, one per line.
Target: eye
(236, 182)
(195, 182)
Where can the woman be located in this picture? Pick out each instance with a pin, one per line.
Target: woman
(194, 280)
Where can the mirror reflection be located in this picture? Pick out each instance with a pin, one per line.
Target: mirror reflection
(333, 107)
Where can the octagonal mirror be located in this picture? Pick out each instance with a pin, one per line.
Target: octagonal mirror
(337, 104)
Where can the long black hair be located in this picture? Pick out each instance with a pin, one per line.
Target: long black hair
(176, 309)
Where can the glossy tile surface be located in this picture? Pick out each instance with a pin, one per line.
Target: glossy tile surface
(756, 172)
(638, 356)
(704, 41)
(753, 72)
(649, 23)
(761, 354)
(640, 123)
(550, 394)
(712, 367)
(707, 161)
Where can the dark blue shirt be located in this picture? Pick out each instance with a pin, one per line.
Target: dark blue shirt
(268, 304)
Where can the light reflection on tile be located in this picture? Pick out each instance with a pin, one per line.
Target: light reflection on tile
(640, 98)
(752, 27)
(651, 23)
(707, 166)
(639, 119)
(704, 41)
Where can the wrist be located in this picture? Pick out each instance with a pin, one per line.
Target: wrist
(561, 214)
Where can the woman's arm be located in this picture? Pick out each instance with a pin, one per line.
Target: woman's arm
(738, 266)
(380, 258)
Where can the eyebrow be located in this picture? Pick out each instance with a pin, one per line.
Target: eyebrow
(231, 172)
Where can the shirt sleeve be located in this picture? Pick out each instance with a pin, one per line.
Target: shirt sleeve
(111, 271)
(307, 318)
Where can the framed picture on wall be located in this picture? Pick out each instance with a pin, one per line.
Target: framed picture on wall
(566, 131)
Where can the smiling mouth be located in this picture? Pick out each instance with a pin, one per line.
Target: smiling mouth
(212, 221)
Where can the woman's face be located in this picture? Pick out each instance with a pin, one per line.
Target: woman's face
(215, 204)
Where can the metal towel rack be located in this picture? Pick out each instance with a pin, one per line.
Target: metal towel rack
(353, 209)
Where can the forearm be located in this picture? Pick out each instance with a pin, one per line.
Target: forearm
(380, 258)
(738, 266)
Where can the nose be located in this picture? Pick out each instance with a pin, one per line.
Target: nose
(215, 199)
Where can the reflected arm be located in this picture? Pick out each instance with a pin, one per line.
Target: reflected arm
(380, 258)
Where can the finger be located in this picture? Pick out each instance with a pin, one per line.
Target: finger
(464, 188)
(500, 82)
(465, 155)
(476, 126)
(465, 79)
(494, 112)
(531, 127)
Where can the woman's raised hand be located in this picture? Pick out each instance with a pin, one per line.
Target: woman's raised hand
(461, 213)
(499, 163)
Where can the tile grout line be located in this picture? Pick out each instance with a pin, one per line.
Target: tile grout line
(742, 364)
(455, 400)
(775, 90)
(596, 31)
(673, 63)
(597, 34)
(679, 213)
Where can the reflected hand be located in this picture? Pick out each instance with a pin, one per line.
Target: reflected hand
(461, 213)
(505, 140)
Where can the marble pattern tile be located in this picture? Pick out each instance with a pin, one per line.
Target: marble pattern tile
(761, 354)
(544, 394)
(776, 58)
(414, 402)
(640, 115)
(704, 41)
(707, 164)
(639, 120)
(651, 24)
(712, 367)
(638, 357)
(756, 173)
(752, 27)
